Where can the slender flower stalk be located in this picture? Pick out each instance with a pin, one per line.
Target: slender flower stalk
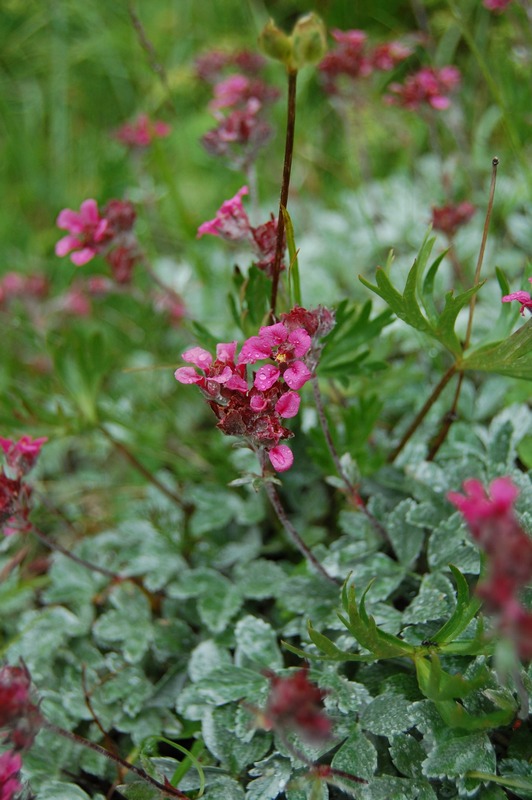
(351, 488)
(144, 471)
(423, 413)
(78, 560)
(287, 170)
(166, 789)
(292, 533)
(451, 415)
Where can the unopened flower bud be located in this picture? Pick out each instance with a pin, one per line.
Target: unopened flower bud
(275, 43)
(309, 40)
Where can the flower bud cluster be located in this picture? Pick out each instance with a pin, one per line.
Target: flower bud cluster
(494, 527)
(15, 493)
(352, 58)
(429, 86)
(232, 224)
(254, 410)
(238, 106)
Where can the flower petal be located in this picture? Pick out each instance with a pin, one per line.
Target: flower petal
(281, 457)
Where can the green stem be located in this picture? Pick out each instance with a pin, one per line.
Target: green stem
(285, 186)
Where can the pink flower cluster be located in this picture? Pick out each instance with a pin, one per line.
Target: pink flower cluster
(238, 106)
(494, 527)
(522, 297)
(27, 287)
(450, 217)
(20, 719)
(15, 493)
(10, 766)
(295, 704)
(209, 66)
(232, 224)
(140, 133)
(429, 86)
(352, 59)
(91, 233)
(497, 6)
(256, 411)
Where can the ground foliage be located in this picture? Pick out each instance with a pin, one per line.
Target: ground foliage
(166, 665)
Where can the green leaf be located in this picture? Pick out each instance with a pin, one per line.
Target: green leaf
(357, 756)
(458, 753)
(464, 612)
(406, 306)
(294, 284)
(256, 645)
(436, 684)
(512, 356)
(353, 329)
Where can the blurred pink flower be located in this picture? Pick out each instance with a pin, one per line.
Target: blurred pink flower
(231, 221)
(497, 6)
(10, 766)
(21, 455)
(494, 526)
(450, 217)
(141, 132)
(295, 704)
(428, 86)
(88, 232)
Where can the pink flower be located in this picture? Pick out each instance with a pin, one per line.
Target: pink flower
(493, 525)
(10, 766)
(18, 714)
(497, 6)
(239, 136)
(450, 217)
(87, 232)
(288, 404)
(281, 457)
(352, 59)
(522, 297)
(142, 131)
(428, 86)
(297, 375)
(266, 377)
(256, 348)
(238, 90)
(22, 455)
(231, 221)
(296, 704)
